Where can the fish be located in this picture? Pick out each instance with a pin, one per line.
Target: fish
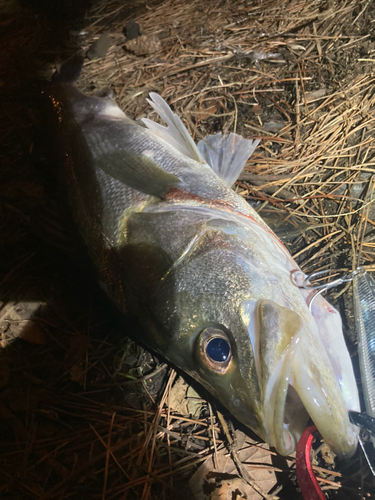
(213, 289)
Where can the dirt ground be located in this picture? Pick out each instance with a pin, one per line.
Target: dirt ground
(85, 410)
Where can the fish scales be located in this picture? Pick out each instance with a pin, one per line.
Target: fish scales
(211, 285)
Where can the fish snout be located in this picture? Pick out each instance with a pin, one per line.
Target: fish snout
(297, 381)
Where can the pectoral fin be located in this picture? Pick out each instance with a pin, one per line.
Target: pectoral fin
(138, 172)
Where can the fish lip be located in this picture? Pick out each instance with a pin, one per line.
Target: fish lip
(299, 382)
(286, 427)
(330, 416)
(285, 414)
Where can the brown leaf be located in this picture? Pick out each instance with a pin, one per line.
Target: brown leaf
(204, 113)
(100, 47)
(328, 455)
(184, 399)
(16, 320)
(256, 109)
(33, 334)
(77, 374)
(13, 189)
(4, 372)
(229, 489)
(177, 398)
(79, 346)
(258, 463)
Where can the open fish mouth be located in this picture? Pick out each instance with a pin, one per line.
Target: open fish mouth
(301, 380)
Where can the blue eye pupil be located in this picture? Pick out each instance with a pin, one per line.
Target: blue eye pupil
(218, 349)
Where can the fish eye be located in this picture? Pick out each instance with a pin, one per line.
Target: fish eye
(218, 349)
(215, 349)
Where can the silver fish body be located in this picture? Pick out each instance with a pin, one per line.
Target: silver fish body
(213, 287)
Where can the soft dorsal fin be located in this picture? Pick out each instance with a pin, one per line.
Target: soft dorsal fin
(176, 133)
(227, 155)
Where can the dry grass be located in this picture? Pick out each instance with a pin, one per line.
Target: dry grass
(296, 74)
(211, 69)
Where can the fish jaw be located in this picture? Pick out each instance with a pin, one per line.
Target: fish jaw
(298, 381)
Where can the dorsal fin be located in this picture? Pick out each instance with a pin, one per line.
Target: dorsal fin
(176, 133)
(227, 155)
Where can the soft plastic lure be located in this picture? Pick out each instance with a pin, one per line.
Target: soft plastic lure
(364, 308)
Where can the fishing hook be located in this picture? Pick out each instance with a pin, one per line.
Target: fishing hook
(326, 286)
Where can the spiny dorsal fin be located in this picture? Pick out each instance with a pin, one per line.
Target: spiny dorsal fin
(227, 155)
(176, 133)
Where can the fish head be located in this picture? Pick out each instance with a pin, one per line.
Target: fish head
(229, 312)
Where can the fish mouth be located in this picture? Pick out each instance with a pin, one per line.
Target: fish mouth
(298, 382)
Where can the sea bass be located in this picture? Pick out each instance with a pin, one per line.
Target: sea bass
(213, 288)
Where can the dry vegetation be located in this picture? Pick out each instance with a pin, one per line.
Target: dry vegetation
(83, 412)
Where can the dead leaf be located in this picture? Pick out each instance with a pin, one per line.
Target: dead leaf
(77, 374)
(259, 465)
(194, 402)
(257, 109)
(13, 189)
(33, 334)
(79, 346)
(100, 47)
(16, 321)
(274, 126)
(4, 372)
(229, 489)
(177, 399)
(184, 399)
(313, 96)
(24, 400)
(204, 113)
(328, 455)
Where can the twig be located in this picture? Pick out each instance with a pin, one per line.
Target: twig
(241, 469)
